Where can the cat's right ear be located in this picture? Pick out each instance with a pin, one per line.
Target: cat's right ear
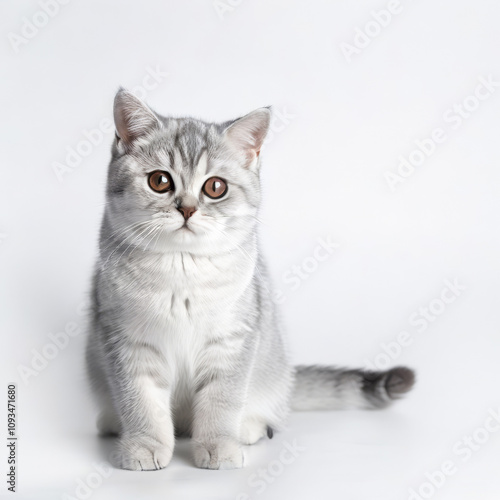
(133, 118)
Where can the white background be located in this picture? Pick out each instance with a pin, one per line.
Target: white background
(323, 175)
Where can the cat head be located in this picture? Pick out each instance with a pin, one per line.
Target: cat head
(181, 184)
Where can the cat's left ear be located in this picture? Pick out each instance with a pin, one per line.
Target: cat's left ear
(247, 134)
(133, 118)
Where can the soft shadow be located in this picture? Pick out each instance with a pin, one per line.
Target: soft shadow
(182, 450)
(107, 446)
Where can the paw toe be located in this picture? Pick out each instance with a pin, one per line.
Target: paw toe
(223, 455)
(144, 455)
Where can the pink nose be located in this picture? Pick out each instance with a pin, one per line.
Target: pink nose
(187, 211)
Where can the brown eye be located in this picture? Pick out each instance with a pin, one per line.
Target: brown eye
(160, 181)
(215, 187)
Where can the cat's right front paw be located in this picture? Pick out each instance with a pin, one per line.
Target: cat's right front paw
(144, 453)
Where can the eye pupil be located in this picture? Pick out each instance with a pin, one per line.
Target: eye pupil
(215, 188)
(160, 181)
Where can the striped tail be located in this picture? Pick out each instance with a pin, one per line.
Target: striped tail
(330, 388)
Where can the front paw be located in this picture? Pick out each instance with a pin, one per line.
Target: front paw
(143, 453)
(222, 453)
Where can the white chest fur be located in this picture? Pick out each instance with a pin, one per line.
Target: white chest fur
(179, 300)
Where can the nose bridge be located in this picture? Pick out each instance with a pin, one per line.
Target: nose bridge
(187, 204)
(186, 199)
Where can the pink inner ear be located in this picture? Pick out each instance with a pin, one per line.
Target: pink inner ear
(121, 126)
(248, 133)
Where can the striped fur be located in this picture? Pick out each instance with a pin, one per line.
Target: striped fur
(184, 336)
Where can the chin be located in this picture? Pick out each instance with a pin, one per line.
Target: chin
(183, 239)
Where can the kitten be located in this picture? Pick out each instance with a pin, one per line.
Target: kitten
(184, 335)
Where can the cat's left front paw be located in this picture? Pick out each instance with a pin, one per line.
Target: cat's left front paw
(223, 454)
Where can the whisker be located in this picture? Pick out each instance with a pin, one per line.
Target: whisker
(154, 232)
(138, 239)
(135, 235)
(122, 231)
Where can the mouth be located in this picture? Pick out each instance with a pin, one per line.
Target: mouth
(185, 227)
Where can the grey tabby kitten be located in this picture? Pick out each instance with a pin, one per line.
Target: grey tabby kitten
(184, 335)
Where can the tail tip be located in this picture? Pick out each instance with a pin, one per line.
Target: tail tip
(399, 381)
